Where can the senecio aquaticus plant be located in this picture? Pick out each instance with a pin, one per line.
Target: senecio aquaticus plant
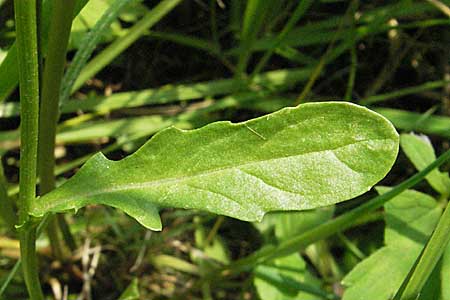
(309, 156)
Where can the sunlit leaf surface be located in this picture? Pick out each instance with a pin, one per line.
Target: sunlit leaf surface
(298, 158)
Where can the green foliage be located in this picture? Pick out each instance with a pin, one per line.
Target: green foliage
(410, 219)
(287, 278)
(290, 224)
(297, 158)
(421, 153)
(89, 41)
(135, 68)
(445, 273)
(131, 292)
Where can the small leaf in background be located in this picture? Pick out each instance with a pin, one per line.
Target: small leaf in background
(289, 224)
(213, 246)
(306, 157)
(131, 292)
(419, 150)
(410, 219)
(86, 20)
(288, 278)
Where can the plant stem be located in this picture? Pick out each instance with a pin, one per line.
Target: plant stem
(29, 101)
(49, 108)
(29, 262)
(429, 258)
(26, 31)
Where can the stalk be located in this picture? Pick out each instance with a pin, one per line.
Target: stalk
(26, 31)
(49, 108)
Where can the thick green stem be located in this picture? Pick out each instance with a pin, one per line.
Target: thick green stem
(53, 72)
(29, 261)
(49, 108)
(26, 31)
(429, 258)
(25, 11)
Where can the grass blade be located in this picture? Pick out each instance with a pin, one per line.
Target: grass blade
(118, 46)
(411, 121)
(299, 11)
(404, 92)
(251, 26)
(88, 44)
(274, 80)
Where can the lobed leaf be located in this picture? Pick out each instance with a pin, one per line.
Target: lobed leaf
(298, 158)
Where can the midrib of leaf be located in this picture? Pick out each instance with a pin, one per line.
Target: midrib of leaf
(176, 180)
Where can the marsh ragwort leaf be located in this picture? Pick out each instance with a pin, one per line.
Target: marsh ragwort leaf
(305, 157)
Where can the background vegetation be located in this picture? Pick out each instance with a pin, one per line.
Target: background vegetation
(136, 67)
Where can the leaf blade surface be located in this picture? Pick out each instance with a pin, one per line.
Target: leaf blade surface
(298, 158)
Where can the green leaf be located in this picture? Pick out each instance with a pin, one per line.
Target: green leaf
(9, 71)
(445, 274)
(410, 219)
(88, 41)
(131, 292)
(288, 278)
(298, 158)
(289, 224)
(421, 153)
(402, 119)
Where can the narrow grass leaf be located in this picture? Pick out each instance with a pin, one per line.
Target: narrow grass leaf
(273, 80)
(404, 92)
(402, 119)
(299, 11)
(122, 43)
(253, 20)
(87, 46)
(298, 158)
